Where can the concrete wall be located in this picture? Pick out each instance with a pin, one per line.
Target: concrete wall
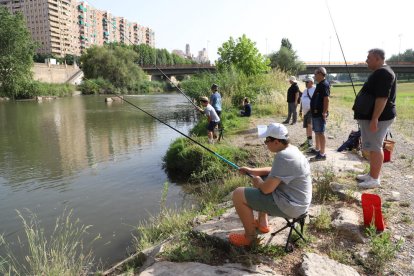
(54, 73)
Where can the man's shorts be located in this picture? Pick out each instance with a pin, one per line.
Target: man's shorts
(262, 203)
(318, 125)
(372, 141)
(307, 119)
(212, 125)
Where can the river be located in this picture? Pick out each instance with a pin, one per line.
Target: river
(103, 161)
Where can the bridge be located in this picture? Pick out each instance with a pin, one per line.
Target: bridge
(331, 67)
(177, 70)
(355, 67)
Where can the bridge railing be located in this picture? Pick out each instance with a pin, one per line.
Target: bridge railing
(177, 66)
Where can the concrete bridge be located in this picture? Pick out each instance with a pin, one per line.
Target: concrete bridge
(177, 70)
(356, 67)
(332, 68)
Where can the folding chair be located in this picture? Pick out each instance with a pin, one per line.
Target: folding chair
(291, 223)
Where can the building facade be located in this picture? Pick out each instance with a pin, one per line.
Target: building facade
(62, 27)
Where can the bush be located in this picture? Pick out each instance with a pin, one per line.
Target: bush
(186, 160)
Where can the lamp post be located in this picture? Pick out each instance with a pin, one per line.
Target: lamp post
(329, 60)
(399, 48)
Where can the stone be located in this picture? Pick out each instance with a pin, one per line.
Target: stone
(345, 193)
(395, 196)
(316, 265)
(229, 222)
(346, 222)
(189, 269)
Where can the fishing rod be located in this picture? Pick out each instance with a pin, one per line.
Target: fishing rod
(177, 87)
(183, 134)
(159, 120)
(340, 45)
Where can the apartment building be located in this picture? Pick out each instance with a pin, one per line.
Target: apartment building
(52, 24)
(62, 27)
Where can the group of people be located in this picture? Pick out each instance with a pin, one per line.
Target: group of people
(213, 107)
(286, 190)
(314, 103)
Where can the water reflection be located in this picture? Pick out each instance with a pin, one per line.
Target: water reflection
(104, 161)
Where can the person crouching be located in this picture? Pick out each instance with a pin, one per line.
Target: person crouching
(212, 117)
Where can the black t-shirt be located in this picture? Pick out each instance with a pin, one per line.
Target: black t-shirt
(293, 89)
(382, 83)
(322, 90)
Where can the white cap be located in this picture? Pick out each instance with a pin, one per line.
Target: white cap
(293, 79)
(307, 79)
(275, 130)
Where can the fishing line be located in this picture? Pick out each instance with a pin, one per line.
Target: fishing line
(188, 137)
(177, 87)
(340, 45)
(159, 120)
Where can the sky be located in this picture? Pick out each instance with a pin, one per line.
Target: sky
(360, 24)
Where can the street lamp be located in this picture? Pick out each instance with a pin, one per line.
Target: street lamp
(399, 48)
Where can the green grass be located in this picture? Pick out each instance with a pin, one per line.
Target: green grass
(62, 253)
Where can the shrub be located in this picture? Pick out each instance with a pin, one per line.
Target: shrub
(185, 160)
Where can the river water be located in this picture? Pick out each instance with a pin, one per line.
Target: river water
(103, 161)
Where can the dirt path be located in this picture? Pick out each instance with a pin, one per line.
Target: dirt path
(397, 176)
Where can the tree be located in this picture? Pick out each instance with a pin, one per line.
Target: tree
(115, 64)
(407, 56)
(243, 56)
(286, 59)
(16, 54)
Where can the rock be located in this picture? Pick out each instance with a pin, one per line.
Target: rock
(199, 269)
(395, 196)
(109, 100)
(229, 222)
(346, 222)
(345, 193)
(316, 265)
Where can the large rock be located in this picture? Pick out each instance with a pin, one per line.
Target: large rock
(347, 223)
(190, 269)
(316, 265)
(229, 222)
(338, 161)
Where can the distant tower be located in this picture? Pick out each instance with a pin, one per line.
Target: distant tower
(187, 50)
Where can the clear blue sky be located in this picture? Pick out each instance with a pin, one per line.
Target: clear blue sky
(361, 24)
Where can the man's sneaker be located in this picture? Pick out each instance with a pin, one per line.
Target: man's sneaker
(304, 144)
(363, 177)
(285, 122)
(309, 143)
(318, 157)
(369, 183)
(312, 151)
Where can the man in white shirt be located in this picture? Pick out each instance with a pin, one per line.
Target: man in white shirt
(212, 117)
(307, 115)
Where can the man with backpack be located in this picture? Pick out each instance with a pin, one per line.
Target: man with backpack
(292, 100)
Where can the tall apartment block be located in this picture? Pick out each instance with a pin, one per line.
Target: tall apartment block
(63, 27)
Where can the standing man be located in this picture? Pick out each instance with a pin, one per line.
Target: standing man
(307, 114)
(215, 99)
(212, 117)
(292, 100)
(319, 107)
(374, 126)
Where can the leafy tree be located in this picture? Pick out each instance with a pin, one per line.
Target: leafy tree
(286, 59)
(407, 56)
(286, 43)
(115, 64)
(243, 55)
(16, 54)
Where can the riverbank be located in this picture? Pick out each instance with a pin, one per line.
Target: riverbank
(344, 242)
